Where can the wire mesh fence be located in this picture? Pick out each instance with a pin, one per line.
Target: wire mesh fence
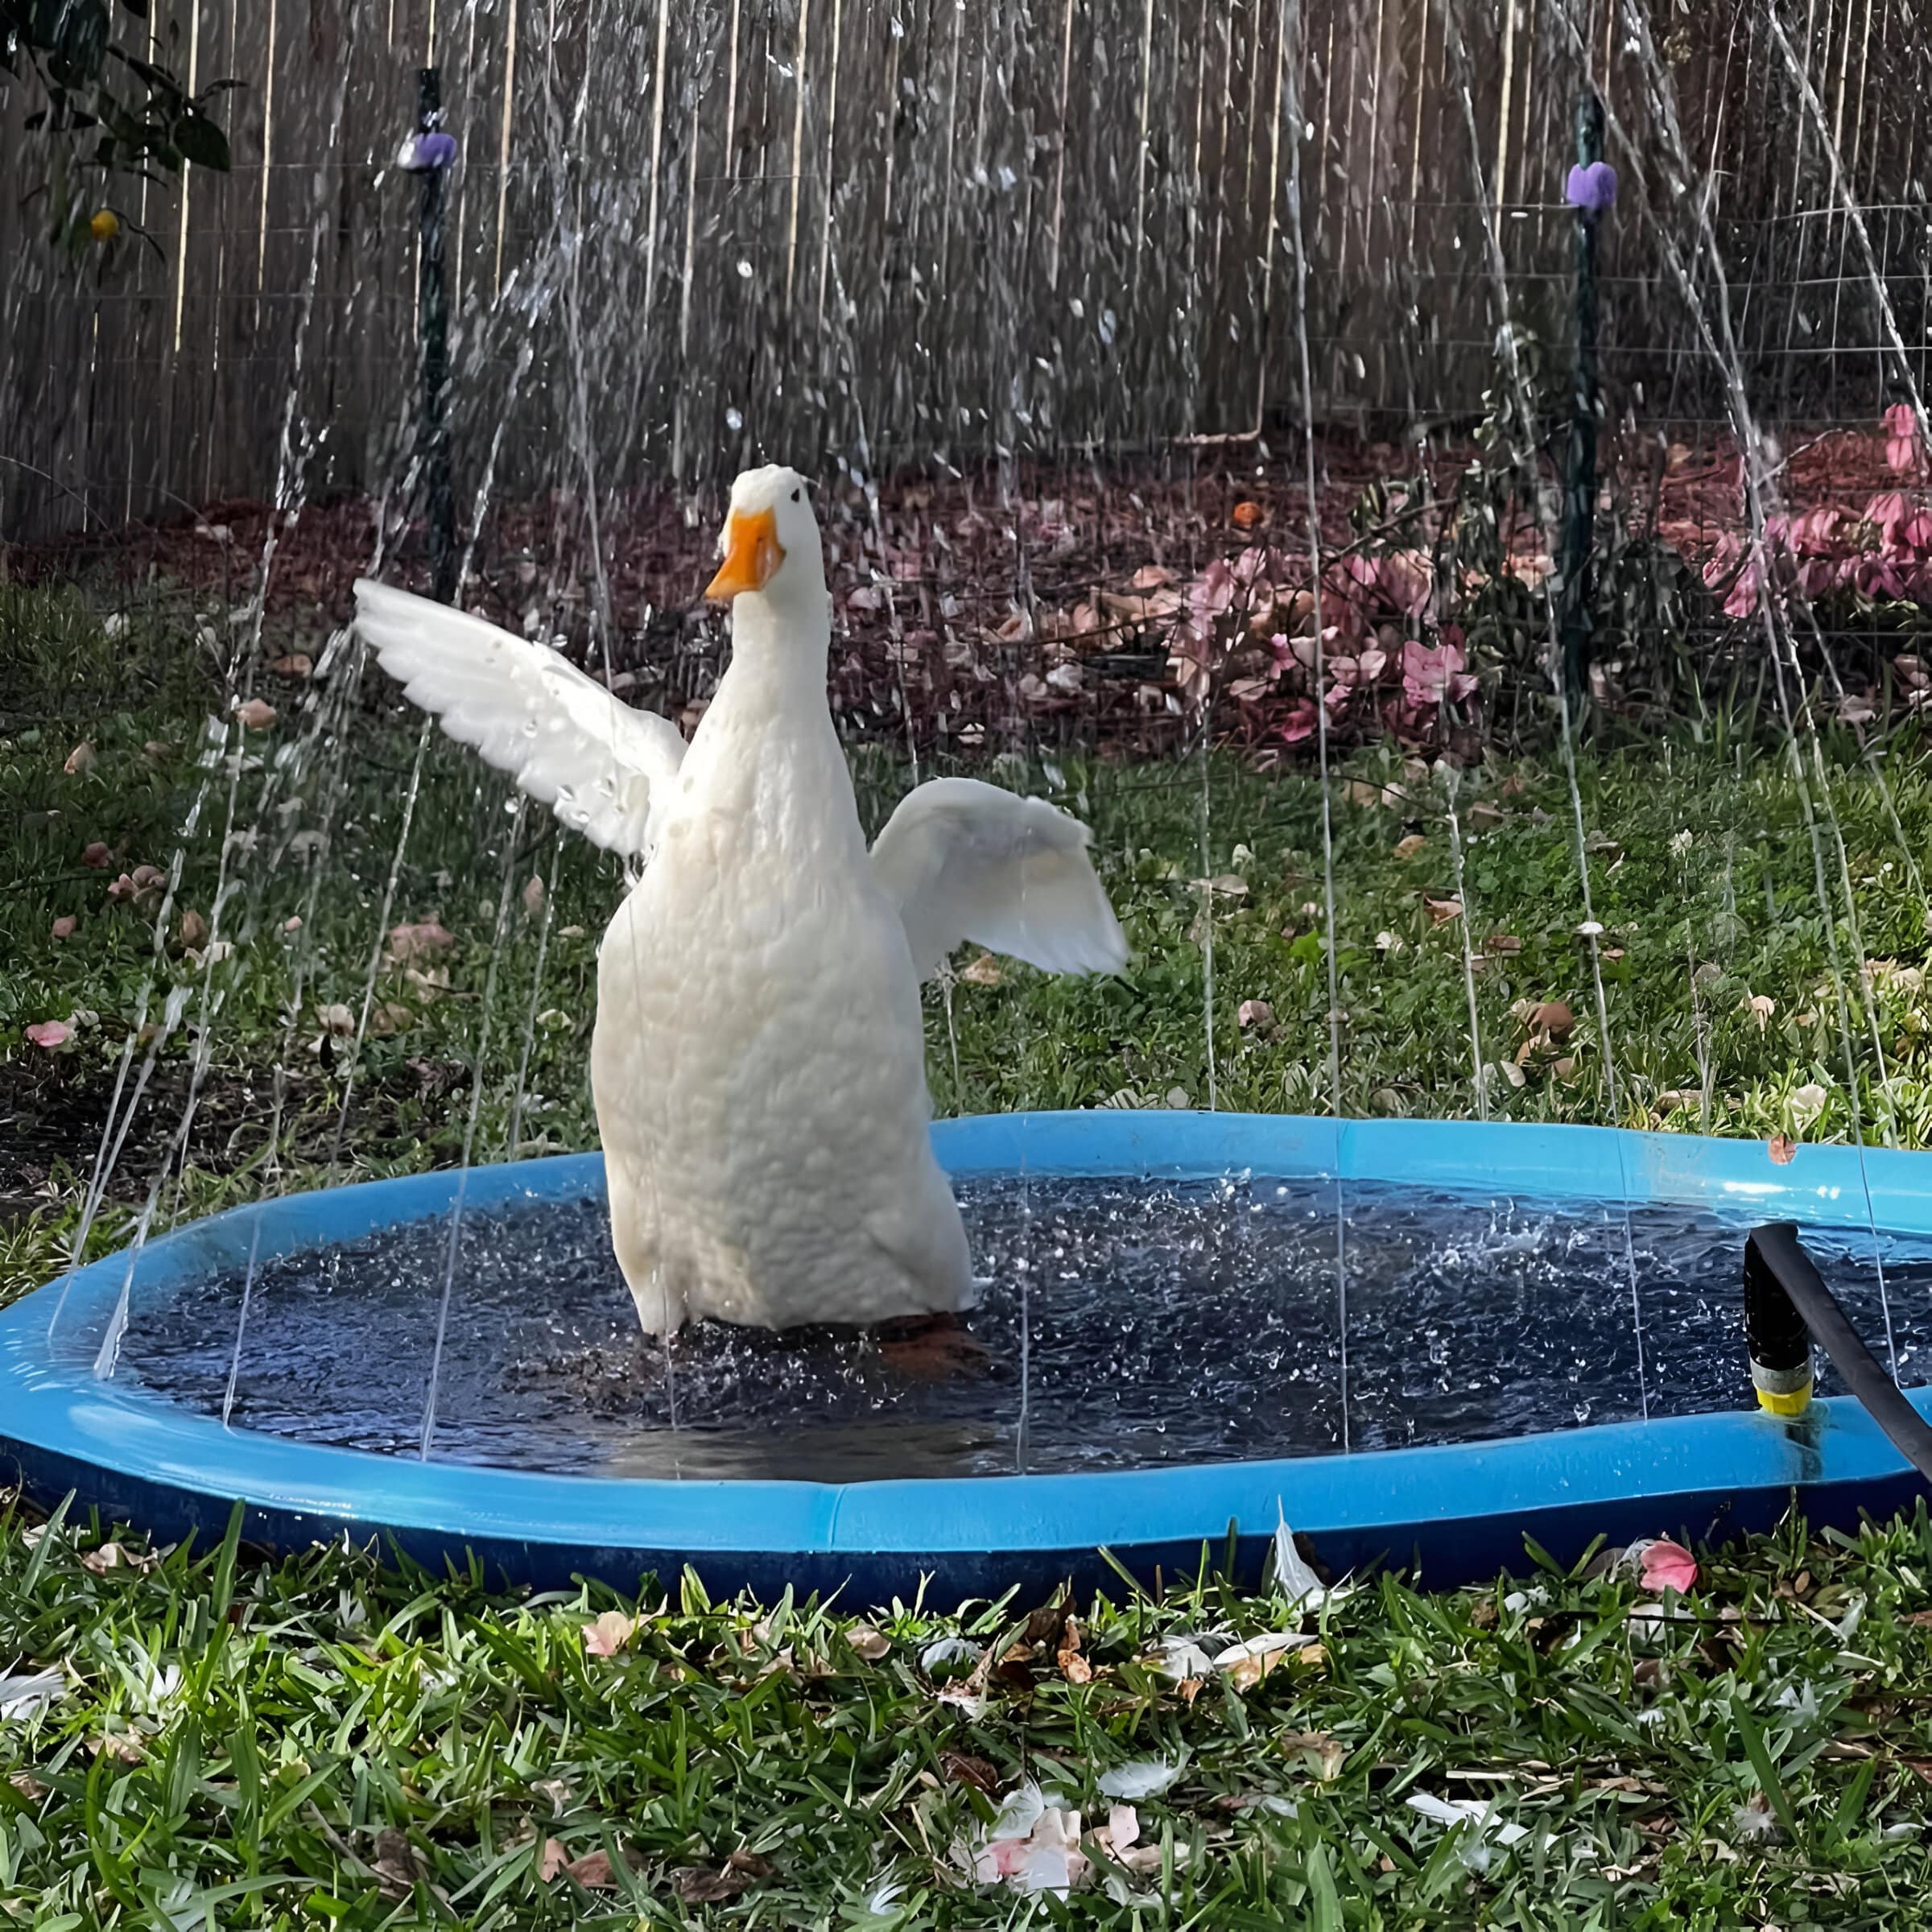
(881, 233)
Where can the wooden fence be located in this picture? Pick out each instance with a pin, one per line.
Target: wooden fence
(685, 233)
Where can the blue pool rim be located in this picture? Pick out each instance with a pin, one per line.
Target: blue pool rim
(1452, 1514)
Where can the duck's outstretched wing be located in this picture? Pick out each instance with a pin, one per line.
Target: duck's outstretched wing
(561, 736)
(967, 861)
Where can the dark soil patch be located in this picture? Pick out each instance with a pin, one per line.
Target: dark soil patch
(53, 1112)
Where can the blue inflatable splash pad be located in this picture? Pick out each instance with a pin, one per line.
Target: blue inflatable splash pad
(1416, 1342)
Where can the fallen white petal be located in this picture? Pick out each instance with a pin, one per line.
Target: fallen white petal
(884, 1896)
(1181, 1657)
(23, 1696)
(1467, 1810)
(947, 1650)
(1270, 1644)
(1051, 1868)
(1292, 1577)
(1143, 1777)
(1024, 1806)
(1800, 1699)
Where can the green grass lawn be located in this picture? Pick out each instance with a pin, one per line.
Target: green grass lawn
(237, 1742)
(223, 1742)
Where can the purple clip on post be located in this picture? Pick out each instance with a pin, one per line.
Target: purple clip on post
(1591, 190)
(420, 153)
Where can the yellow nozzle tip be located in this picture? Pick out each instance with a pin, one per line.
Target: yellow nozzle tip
(1795, 1403)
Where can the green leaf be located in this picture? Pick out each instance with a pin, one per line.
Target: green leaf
(202, 142)
(1322, 1895)
(1768, 1781)
(74, 31)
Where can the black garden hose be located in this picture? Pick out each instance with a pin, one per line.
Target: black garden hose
(1787, 1306)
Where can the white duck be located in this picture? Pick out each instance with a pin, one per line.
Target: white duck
(758, 1058)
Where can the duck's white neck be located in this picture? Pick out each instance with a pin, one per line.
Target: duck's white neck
(782, 640)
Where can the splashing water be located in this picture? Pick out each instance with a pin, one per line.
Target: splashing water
(1168, 1322)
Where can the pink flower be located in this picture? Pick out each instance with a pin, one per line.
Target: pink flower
(1890, 512)
(610, 1634)
(1723, 559)
(1434, 673)
(1816, 534)
(1404, 577)
(1664, 1565)
(1904, 444)
(1258, 565)
(1343, 600)
(1729, 569)
(48, 1034)
(1360, 571)
(1917, 531)
(63, 927)
(1209, 597)
(1302, 650)
(1876, 577)
(1299, 725)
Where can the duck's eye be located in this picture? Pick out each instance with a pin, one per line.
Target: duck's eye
(796, 495)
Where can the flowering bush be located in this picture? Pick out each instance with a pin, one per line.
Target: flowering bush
(1247, 634)
(1883, 554)
(1442, 594)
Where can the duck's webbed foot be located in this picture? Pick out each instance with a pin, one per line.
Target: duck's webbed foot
(929, 1348)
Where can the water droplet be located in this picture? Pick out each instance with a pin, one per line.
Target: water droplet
(733, 420)
(744, 269)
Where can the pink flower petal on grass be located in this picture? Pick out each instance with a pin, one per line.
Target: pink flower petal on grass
(63, 927)
(422, 941)
(50, 1033)
(608, 1634)
(1667, 1566)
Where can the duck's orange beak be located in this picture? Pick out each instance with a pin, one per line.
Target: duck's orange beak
(753, 554)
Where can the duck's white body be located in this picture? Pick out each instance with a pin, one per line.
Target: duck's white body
(759, 1055)
(759, 1059)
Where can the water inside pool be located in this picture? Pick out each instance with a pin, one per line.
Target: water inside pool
(1168, 1322)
